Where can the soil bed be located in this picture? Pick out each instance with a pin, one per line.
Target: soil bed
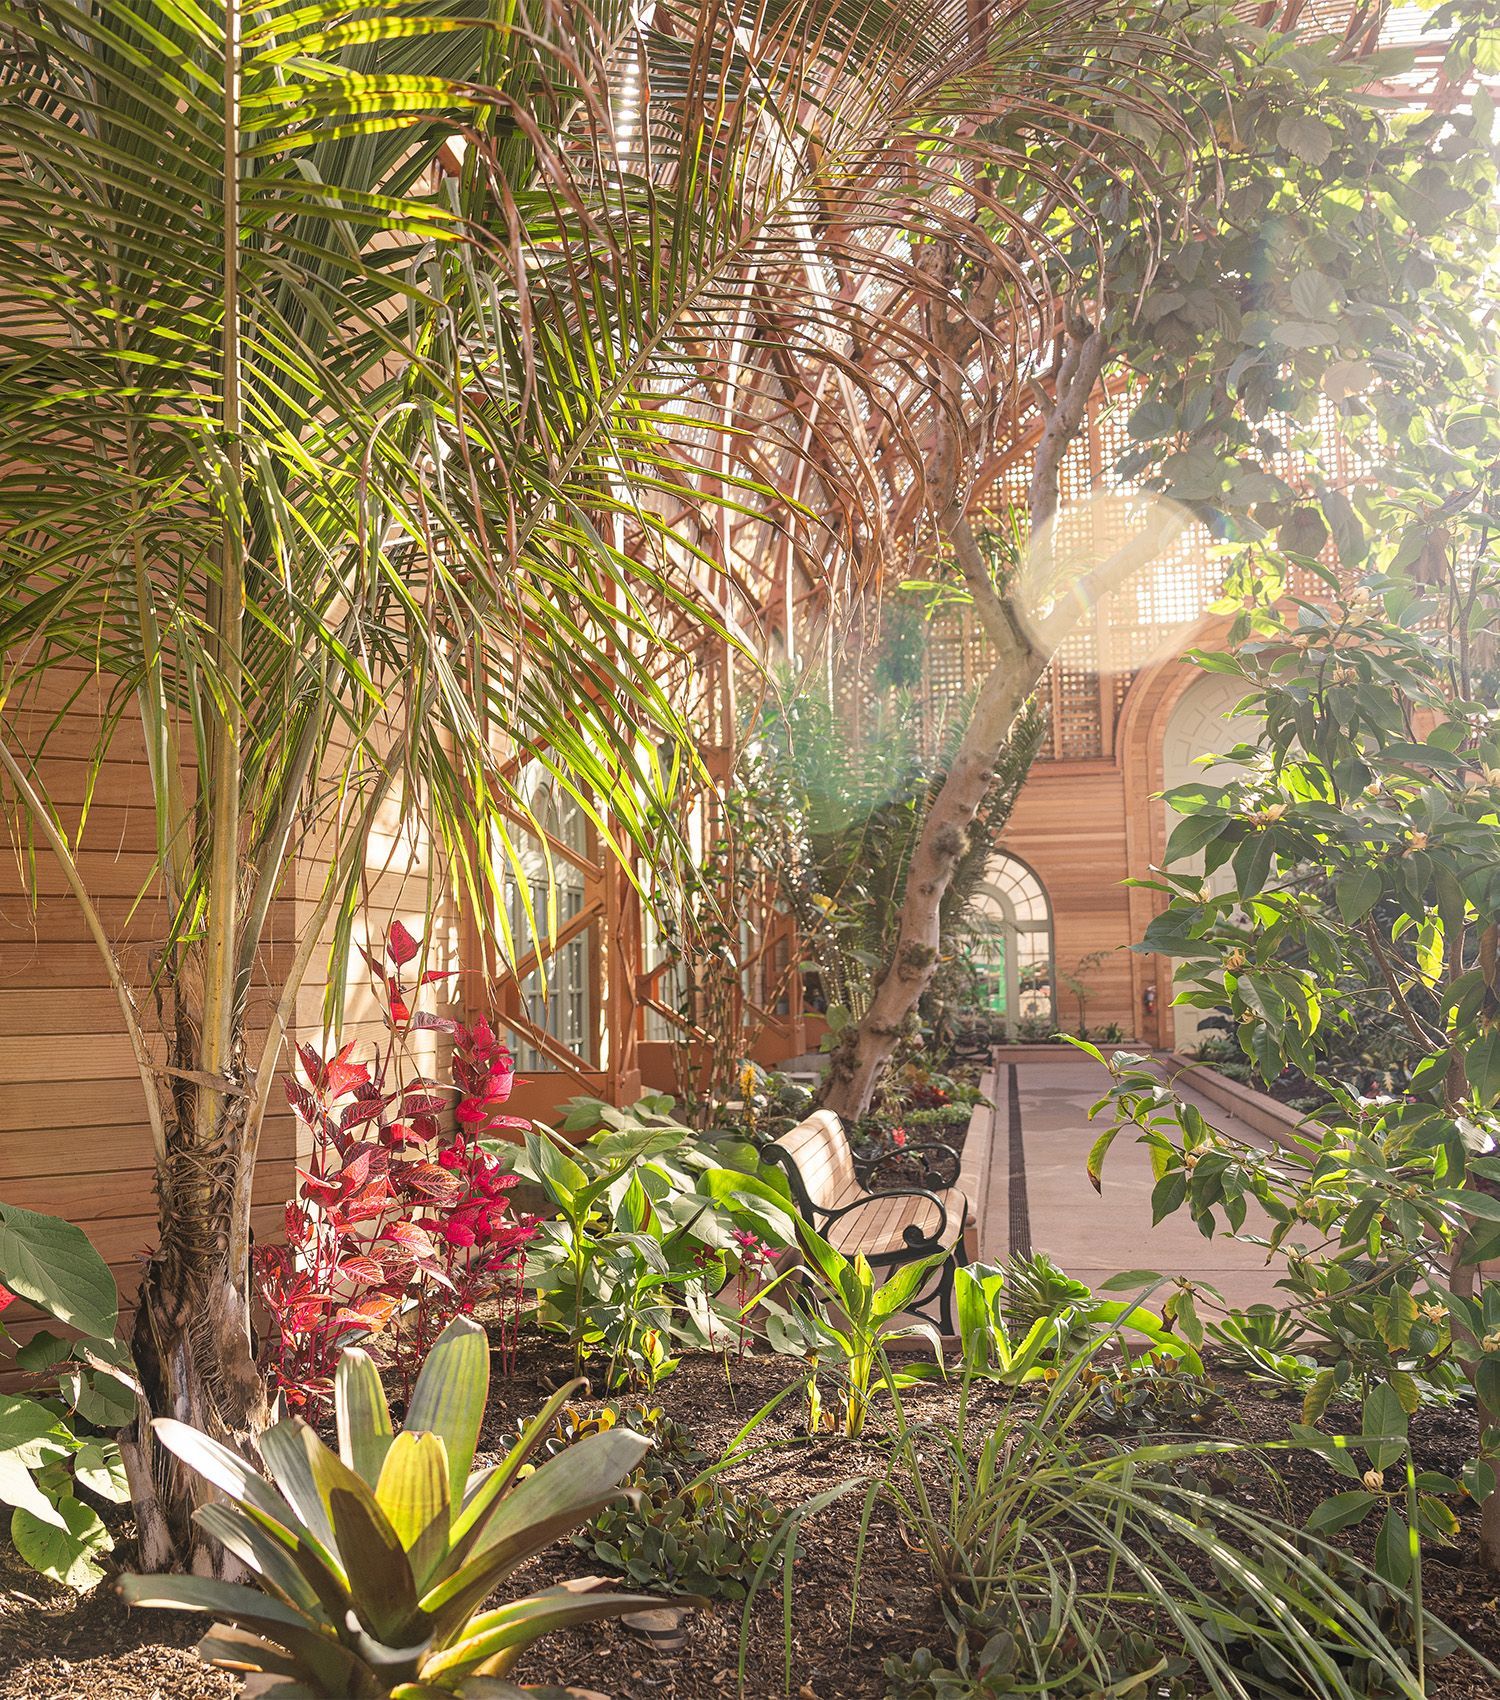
(55, 1646)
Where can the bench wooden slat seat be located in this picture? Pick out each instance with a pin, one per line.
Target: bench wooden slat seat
(891, 1226)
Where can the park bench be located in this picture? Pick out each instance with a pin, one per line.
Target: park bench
(890, 1225)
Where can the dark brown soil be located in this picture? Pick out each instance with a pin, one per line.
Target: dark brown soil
(54, 1646)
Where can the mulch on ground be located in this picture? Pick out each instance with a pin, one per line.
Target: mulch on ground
(54, 1646)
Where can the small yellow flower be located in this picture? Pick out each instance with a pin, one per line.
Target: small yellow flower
(1235, 960)
(1268, 816)
(1491, 1341)
(1415, 841)
(1434, 1312)
(1248, 1017)
(1374, 1480)
(1190, 1160)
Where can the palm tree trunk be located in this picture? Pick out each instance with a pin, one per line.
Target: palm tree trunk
(193, 1339)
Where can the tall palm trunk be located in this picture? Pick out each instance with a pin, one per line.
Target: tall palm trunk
(193, 1337)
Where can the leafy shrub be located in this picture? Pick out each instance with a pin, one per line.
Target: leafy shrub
(54, 1438)
(650, 1225)
(376, 1560)
(397, 1226)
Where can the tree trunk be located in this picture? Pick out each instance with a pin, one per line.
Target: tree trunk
(192, 1340)
(1022, 654)
(865, 1049)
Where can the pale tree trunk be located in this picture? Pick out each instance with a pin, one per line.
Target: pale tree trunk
(1022, 648)
(862, 1056)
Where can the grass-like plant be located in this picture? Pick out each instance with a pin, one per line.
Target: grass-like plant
(373, 1560)
(1033, 1519)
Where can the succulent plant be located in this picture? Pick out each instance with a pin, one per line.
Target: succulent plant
(375, 1559)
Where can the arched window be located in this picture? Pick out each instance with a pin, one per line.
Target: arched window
(1013, 956)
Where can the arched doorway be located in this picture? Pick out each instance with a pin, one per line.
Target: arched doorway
(1202, 722)
(1012, 957)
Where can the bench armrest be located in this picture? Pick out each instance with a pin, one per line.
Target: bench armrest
(930, 1176)
(914, 1236)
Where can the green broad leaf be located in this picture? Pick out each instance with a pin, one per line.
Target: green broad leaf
(1357, 893)
(1395, 1556)
(1334, 1448)
(1194, 834)
(521, 1622)
(1396, 1317)
(19, 1490)
(235, 1530)
(43, 1351)
(1131, 1281)
(98, 1466)
(1308, 138)
(413, 1492)
(382, 1587)
(67, 1548)
(1482, 1063)
(53, 1265)
(903, 1286)
(1167, 1195)
(1098, 1151)
(248, 1608)
(1319, 1395)
(1341, 1511)
(1384, 1423)
(450, 1397)
(31, 1433)
(363, 1416)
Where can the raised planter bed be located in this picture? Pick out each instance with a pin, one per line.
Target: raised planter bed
(1277, 1121)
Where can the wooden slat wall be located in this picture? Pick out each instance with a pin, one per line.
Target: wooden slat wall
(74, 1139)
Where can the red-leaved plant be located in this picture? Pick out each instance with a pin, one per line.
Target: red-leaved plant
(397, 1226)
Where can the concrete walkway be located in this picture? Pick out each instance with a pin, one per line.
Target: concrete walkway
(1096, 1235)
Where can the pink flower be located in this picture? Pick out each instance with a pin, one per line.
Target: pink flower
(898, 1137)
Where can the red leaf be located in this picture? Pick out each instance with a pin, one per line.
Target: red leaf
(368, 1203)
(401, 946)
(410, 1236)
(421, 1104)
(363, 1269)
(370, 1314)
(433, 1182)
(341, 1076)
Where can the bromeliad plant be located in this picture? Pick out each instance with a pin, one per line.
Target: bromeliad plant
(398, 1225)
(373, 1561)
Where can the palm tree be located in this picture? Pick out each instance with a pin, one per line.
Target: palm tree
(377, 375)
